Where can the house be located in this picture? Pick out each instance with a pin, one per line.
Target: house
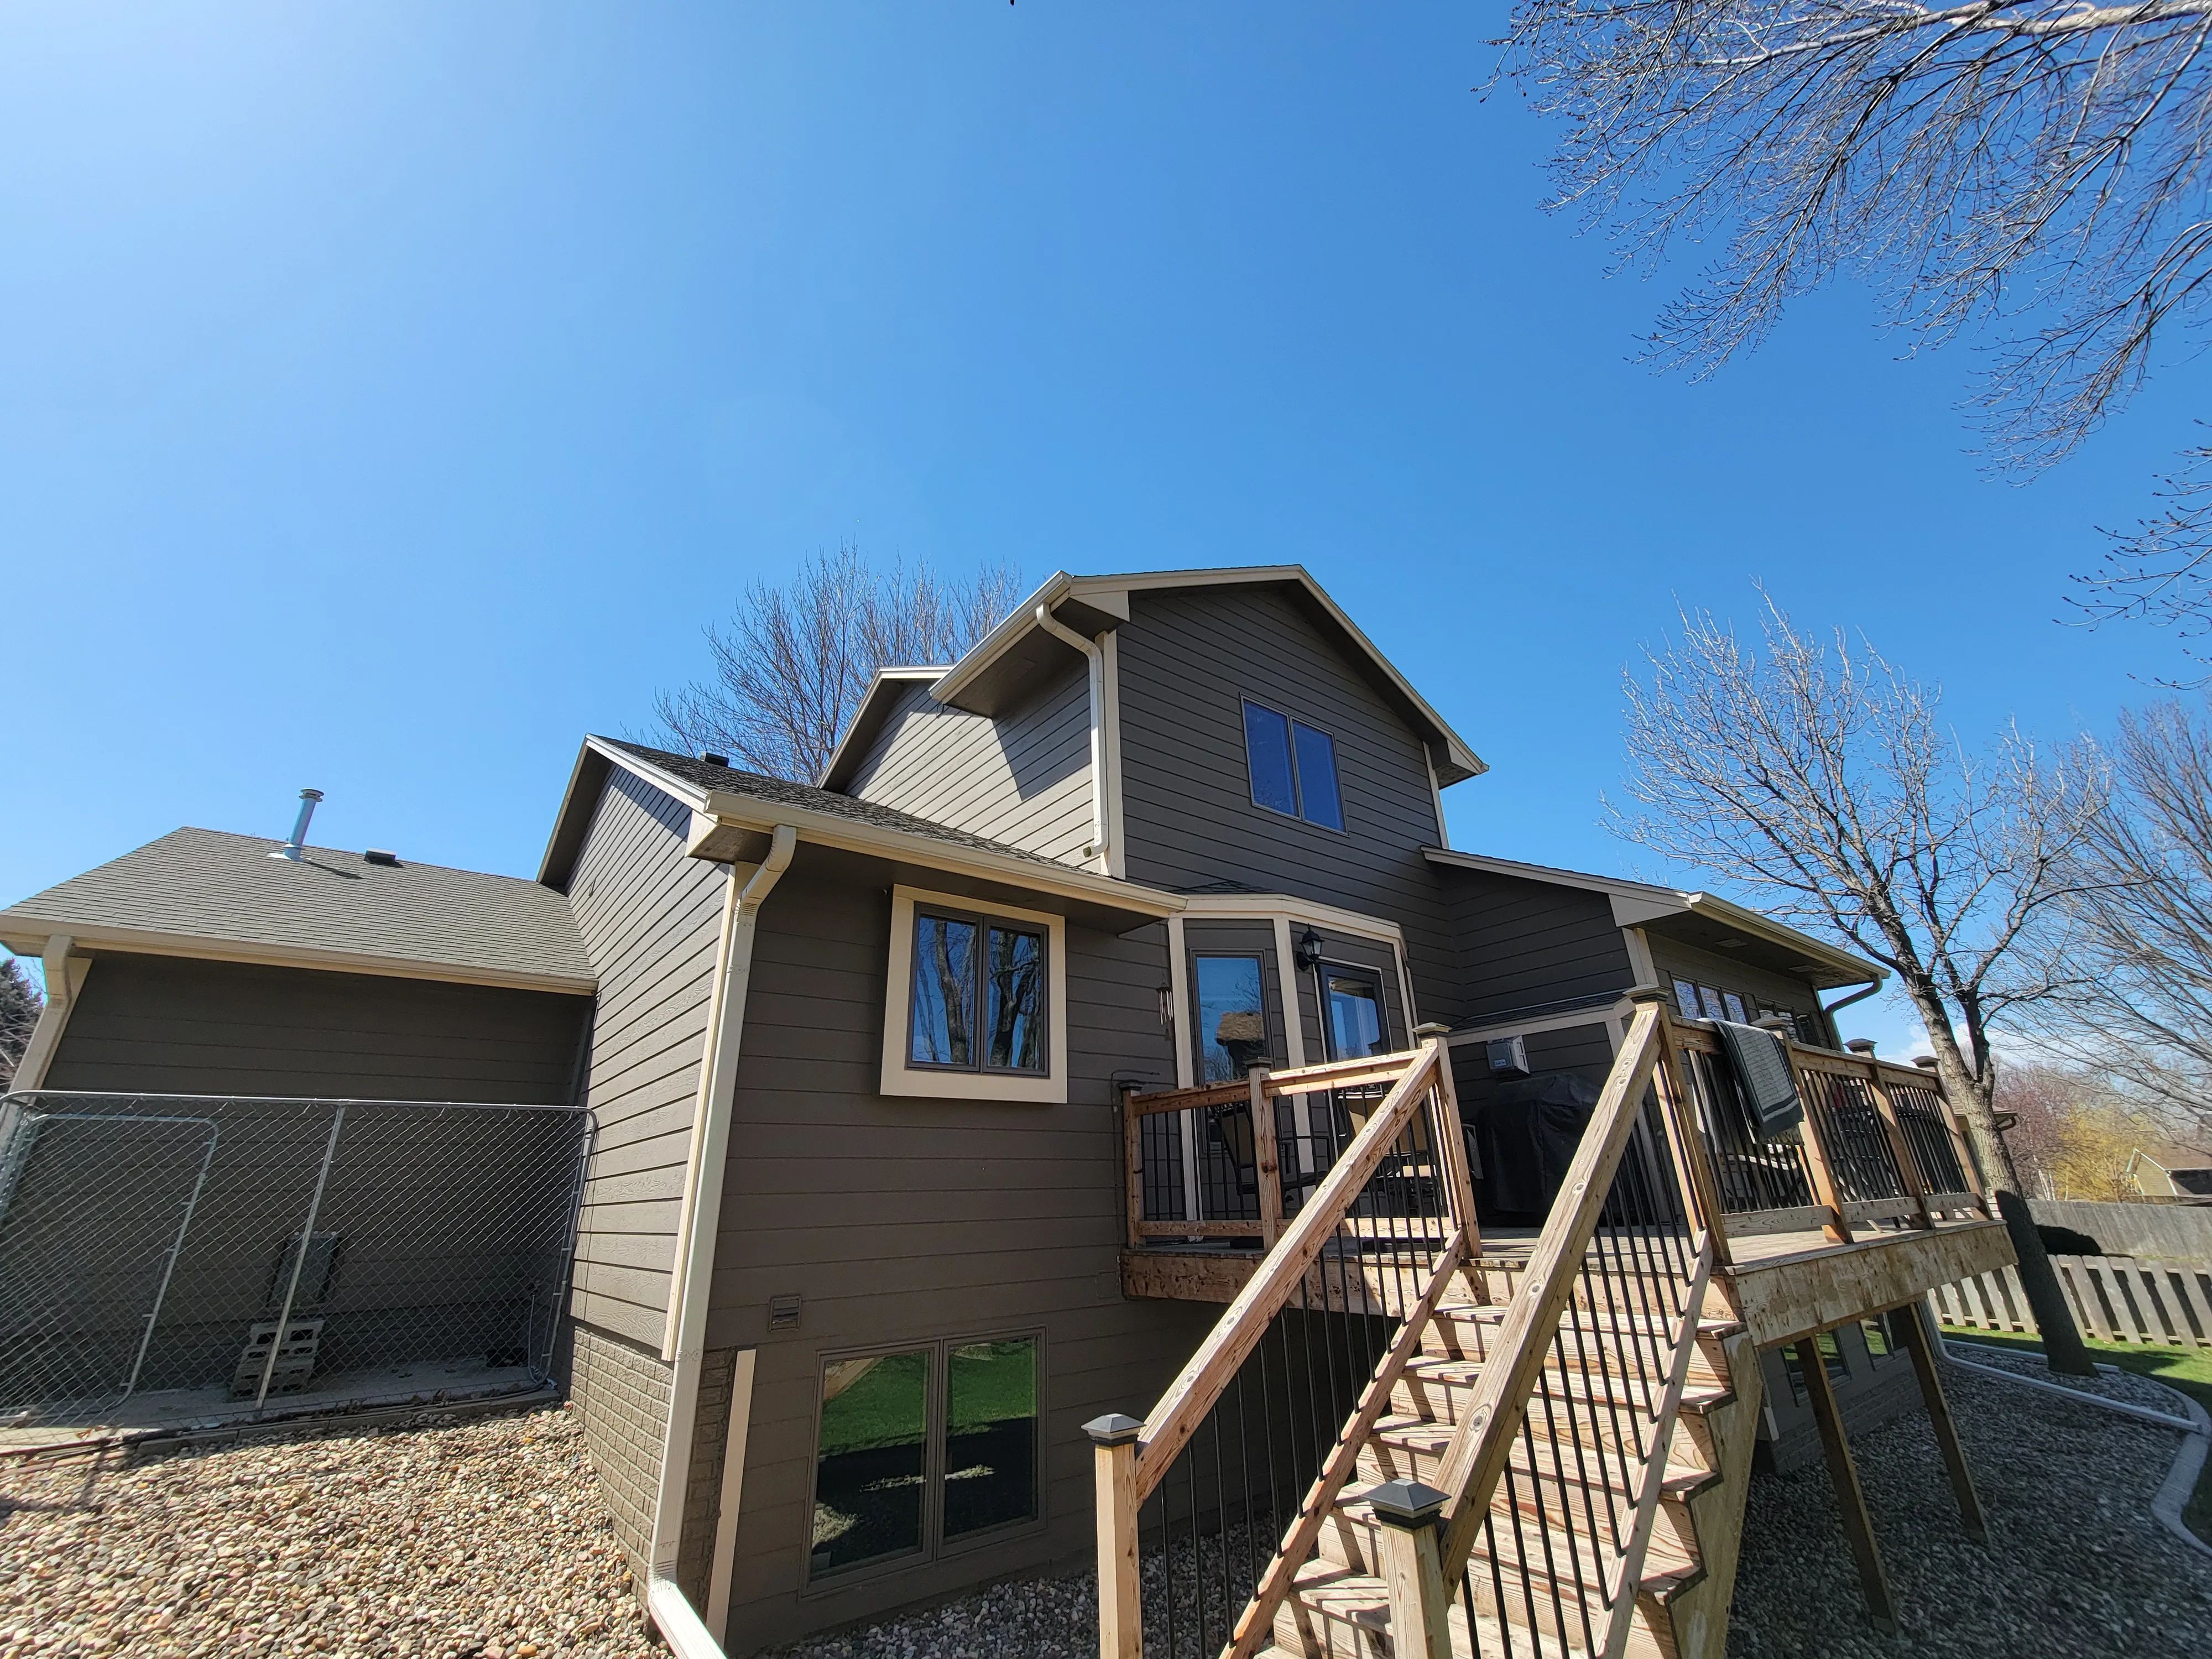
(920, 1143)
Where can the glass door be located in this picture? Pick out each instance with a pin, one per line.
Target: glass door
(1352, 1024)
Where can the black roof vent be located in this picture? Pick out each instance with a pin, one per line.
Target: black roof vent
(713, 759)
(378, 855)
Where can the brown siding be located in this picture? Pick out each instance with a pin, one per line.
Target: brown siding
(1526, 944)
(904, 1220)
(652, 920)
(181, 1025)
(1023, 779)
(1188, 658)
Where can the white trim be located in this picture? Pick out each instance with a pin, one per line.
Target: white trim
(264, 953)
(898, 1080)
(1436, 798)
(1598, 1013)
(1294, 1035)
(1117, 859)
(1094, 686)
(1267, 905)
(698, 1222)
(1639, 956)
(732, 1500)
(64, 979)
(1110, 594)
(1179, 988)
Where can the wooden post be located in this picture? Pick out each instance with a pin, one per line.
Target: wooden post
(1420, 1609)
(1453, 1152)
(1939, 1417)
(1824, 1190)
(1265, 1157)
(1693, 1167)
(1900, 1149)
(1133, 1162)
(1121, 1600)
(1858, 1527)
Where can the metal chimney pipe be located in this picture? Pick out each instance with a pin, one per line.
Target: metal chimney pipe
(291, 848)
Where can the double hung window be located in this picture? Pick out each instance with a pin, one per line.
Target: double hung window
(918, 1449)
(1293, 767)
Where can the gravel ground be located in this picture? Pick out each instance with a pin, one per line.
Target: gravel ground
(477, 1537)
(2116, 1384)
(2075, 1565)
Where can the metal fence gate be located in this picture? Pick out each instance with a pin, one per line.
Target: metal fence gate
(204, 1256)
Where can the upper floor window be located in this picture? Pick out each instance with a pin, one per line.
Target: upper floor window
(1293, 767)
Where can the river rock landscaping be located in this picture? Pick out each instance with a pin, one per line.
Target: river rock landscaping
(480, 1538)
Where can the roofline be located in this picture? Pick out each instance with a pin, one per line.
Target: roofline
(860, 724)
(26, 933)
(828, 829)
(1061, 585)
(1711, 905)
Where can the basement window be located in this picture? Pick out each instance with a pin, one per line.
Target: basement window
(976, 1001)
(919, 1451)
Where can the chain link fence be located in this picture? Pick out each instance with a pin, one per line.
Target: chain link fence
(200, 1257)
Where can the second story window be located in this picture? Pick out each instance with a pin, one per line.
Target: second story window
(1293, 767)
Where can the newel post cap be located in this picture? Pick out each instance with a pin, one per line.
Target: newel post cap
(1647, 992)
(1407, 1504)
(1861, 1046)
(1114, 1430)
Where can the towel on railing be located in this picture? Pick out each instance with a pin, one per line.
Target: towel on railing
(1764, 1077)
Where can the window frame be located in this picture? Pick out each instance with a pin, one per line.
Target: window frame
(937, 1410)
(1291, 726)
(903, 1076)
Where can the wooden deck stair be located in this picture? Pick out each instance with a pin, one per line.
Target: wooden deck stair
(1338, 1604)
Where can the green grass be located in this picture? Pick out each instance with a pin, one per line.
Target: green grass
(2189, 1369)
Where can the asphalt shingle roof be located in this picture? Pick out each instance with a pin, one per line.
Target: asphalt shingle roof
(756, 786)
(205, 883)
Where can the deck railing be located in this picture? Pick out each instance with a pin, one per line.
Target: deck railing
(1194, 1500)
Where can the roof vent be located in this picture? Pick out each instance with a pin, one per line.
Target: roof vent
(713, 759)
(291, 849)
(378, 855)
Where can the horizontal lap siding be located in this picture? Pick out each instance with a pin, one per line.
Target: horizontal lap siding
(1526, 943)
(1023, 779)
(651, 919)
(181, 1025)
(902, 1221)
(1715, 968)
(1187, 660)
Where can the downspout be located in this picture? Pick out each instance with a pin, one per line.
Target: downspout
(684, 1343)
(61, 998)
(1097, 658)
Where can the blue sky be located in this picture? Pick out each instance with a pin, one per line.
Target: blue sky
(388, 392)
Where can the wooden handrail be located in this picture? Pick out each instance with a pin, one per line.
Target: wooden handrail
(1192, 1393)
(1482, 1443)
(1302, 1079)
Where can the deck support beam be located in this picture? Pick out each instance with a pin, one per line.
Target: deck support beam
(1850, 1498)
(1909, 1323)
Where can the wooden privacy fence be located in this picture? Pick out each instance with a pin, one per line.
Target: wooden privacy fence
(2115, 1298)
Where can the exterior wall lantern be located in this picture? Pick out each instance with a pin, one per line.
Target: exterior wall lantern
(1309, 950)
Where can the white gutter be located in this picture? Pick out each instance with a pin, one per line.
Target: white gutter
(684, 1342)
(1095, 655)
(53, 1018)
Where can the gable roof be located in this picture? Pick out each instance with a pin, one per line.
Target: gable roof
(1004, 663)
(1638, 903)
(206, 893)
(876, 705)
(827, 818)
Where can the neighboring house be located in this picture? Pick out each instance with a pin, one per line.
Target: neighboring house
(851, 1268)
(2182, 1172)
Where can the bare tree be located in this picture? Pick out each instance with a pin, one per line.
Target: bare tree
(793, 662)
(2139, 1007)
(1818, 777)
(20, 1007)
(2037, 165)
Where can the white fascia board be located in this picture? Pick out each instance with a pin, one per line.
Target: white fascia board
(884, 676)
(829, 829)
(146, 941)
(1111, 594)
(1260, 905)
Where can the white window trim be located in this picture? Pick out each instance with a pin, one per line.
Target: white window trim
(929, 1083)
